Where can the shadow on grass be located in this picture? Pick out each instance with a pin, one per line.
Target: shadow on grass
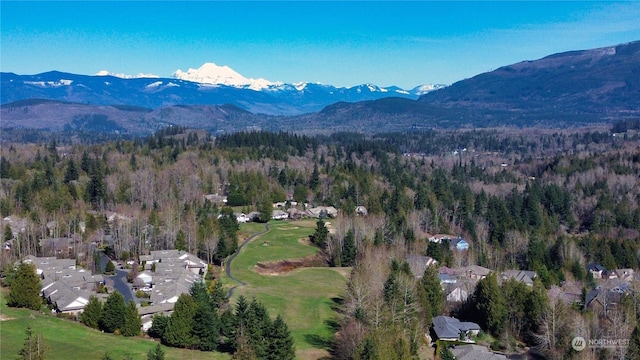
(336, 304)
(332, 324)
(318, 341)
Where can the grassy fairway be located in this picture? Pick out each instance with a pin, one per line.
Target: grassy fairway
(70, 340)
(304, 296)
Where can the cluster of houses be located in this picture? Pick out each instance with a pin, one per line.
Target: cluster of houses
(291, 213)
(66, 288)
(612, 286)
(287, 210)
(458, 283)
(166, 275)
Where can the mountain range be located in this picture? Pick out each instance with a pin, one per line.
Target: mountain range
(566, 89)
(209, 84)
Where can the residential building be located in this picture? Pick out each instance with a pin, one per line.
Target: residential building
(279, 215)
(475, 272)
(320, 211)
(418, 264)
(523, 276)
(451, 329)
(597, 271)
(459, 244)
(64, 286)
(456, 293)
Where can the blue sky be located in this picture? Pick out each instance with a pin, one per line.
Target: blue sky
(338, 43)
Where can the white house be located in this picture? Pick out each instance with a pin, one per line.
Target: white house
(145, 277)
(241, 218)
(279, 215)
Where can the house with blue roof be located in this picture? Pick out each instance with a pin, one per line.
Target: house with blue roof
(459, 244)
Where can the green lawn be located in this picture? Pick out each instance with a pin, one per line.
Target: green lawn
(71, 340)
(304, 297)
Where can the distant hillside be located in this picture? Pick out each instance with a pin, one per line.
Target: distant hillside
(57, 116)
(562, 90)
(567, 89)
(600, 84)
(154, 93)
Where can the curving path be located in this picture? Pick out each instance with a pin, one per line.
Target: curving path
(233, 256)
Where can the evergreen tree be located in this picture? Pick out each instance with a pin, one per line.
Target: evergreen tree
(434, 294)
(72, 172)
(228, 326)
(158, 325)
(490, 304)
(181, 241)
(178, 330)
(265, 209)
(132, 321)
(349, 249)
(320, 236)
(34, 346)
(258, 327)
(109, 268)
(113, 313)
(133, 163)
(314, 181)
(96, 192)
(368, 351)
(156, 353)
(281, 346)
(241, 313)
(206, 327)
(92, 312)
(25, 288)
(300, 193)
(218, 295)
(633, 351)
(535, 305)
(8, 233)
(5, 167)
(199, 293)
(517, 293)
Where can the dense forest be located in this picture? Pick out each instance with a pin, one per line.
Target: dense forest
(526, 199)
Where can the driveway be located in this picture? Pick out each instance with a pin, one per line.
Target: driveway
(119, 281)
(121, 285)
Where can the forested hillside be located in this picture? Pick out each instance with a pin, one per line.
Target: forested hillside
(544, 201)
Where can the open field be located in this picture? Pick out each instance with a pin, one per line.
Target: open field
(304, 297)
(70, 340)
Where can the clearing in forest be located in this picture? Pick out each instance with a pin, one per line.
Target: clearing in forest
(303, 295)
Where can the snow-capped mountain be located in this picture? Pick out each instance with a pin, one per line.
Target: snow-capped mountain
(126, 76)
(209, 84)
(212, 74)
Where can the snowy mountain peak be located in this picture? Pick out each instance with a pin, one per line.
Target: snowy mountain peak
(126, 76)
(423, 89)
(210, 73)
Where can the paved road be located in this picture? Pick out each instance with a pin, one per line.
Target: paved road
(233, 256)
(119, 281)
(122, 286)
